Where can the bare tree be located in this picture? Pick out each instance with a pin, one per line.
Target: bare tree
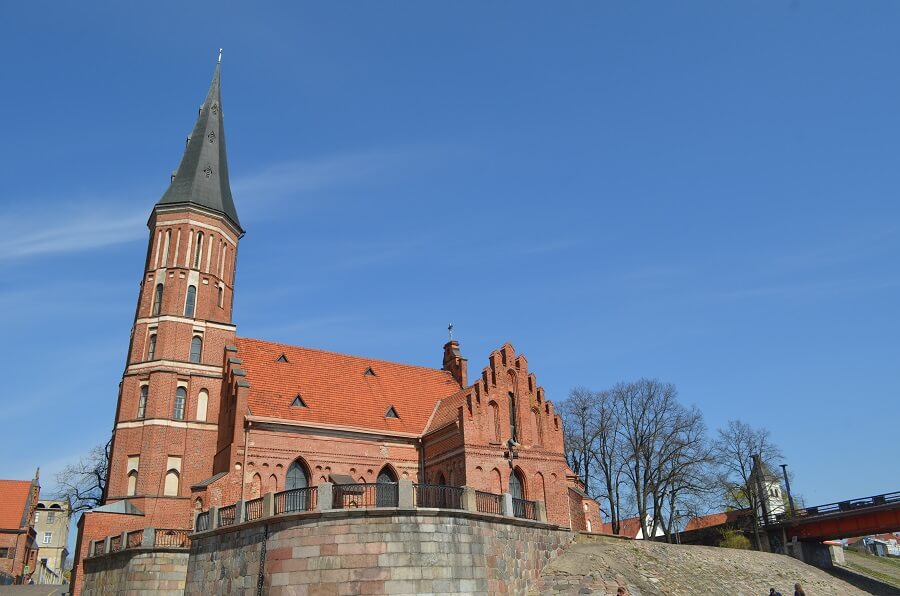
(737, 445)
(84, 483)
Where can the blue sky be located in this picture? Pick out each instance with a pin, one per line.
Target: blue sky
(703, 192)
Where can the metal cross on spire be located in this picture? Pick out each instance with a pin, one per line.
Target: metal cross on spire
(450, 331)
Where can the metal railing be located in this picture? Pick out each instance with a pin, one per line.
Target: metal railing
(115, 543)
(487, 502)
(172, 538)
(134, 539)
(226, 515)
(202, 522)
(524, 508)
(296, 499)
(831, 508)
(253, 509)
(378, 494)
(438, 496)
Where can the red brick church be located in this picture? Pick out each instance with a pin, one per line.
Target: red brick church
(205, 417)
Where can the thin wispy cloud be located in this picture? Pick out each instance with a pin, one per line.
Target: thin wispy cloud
(44, 231)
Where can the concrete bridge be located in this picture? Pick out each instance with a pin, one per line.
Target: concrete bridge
(857, 517)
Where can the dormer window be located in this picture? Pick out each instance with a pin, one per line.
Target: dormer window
(298, 402)
(281, 358)
(369, 372)
(391, 413)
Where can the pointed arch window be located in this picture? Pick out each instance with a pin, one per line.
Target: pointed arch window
(180, 398)
(198, 252)
(196, 349)
(157, 299)
(173, 480)
(165, 262)
(513, 430)
(221, 297)
(132, 483)
(495, 421)
(151, 347)
(297, 476)
(538, 427)
(191, 301)
(202, 404)
(142, 402)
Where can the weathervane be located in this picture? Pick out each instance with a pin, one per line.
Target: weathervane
(220, 55)
(450, 331)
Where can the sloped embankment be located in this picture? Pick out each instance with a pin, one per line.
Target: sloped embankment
(598, 565)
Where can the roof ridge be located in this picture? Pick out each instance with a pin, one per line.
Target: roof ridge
(358, 356)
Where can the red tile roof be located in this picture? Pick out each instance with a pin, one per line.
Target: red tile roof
(630, 526)
(336, 389)
(14, 495)
(715, 519)
(447, 411)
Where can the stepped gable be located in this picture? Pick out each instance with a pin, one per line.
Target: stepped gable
(338, 389)
(14, 503)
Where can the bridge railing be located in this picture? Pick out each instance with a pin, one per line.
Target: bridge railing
(831, 508)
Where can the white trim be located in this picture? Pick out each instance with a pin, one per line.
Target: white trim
(158, 244)
(189, 366)
(171, 423)
(187, 254)
(317, 428)
(177, 246)
(208, 252)
(178, 319)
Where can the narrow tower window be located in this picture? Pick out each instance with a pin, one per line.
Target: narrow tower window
(132, 483)
(221, 297)
(142, 402)
(512, 417)
(191, 301)
(171, 486)
(196, 349)
(165, 262)
(202, 404)
(199, 250)
(151, 347)
(180, 397)
(157, 299)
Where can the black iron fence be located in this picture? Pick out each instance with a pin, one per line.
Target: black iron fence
(202, 522)
(253, 509)
(226, 515)
(487, 502)
(524, 508)
(378, 494)
(831, 508)
(172, 538)
(296, 499)
(438, 496)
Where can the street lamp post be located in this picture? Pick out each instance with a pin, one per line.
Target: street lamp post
(787, 486)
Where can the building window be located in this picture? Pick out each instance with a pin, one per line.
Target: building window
(171, 486)
(142, 402)
(538, 428)
(180, 397)
(196, 349)
(132, 483)
(516, 485)
(191, 301)
(151, 347)
(221, 297)
(157, 299)
(495, 420)
(48, 538)
(165, 262)
(202, 402)
(4, 552)
(199, 250)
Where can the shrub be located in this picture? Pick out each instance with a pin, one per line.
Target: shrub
(734, 539)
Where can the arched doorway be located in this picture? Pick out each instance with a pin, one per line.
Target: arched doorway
(516, 485)
(386, 494)
(296, 497)
(297, 476)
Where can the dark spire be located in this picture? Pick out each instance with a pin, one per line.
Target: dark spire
(202, 176)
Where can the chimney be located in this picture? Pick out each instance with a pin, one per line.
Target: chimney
(454, 363)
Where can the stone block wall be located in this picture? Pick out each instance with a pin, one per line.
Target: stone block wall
(374, 552)
(136, 572)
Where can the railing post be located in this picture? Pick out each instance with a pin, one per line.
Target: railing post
(268, 505)
(239, 509)
(405, 494)
(148, 540)
(324, 497)
(506, 505)
(540, 511)
(213, 517)
(469, 502)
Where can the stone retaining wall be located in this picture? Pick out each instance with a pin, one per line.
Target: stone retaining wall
(374, 551)
(136, 572)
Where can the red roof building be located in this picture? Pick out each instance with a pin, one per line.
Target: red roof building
(206, 418)
(18, 545)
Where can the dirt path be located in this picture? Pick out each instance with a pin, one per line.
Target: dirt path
(884, 569)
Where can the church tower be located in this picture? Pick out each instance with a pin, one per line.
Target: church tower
(165, 432)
